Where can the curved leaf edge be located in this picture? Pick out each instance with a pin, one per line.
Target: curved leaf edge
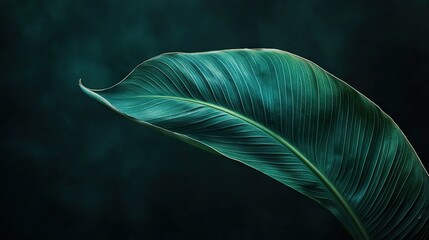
(91, 92)
(196, 143)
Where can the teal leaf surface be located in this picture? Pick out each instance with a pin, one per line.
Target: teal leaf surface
(291, 120)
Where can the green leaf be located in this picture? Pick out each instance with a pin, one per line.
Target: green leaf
(288, 118)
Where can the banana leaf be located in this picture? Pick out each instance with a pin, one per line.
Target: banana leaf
(291, 120)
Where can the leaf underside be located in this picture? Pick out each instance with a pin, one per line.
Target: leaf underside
(291, 120)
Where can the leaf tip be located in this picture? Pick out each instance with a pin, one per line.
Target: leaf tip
(86, 90)
(92, 93)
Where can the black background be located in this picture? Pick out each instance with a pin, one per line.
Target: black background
(71, 169)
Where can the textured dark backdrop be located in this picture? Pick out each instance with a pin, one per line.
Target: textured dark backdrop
(71, 169)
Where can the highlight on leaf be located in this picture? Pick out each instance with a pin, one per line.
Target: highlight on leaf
(291, 120)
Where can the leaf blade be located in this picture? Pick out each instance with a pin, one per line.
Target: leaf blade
(245, 93)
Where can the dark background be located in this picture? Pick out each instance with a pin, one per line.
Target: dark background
(71, 169)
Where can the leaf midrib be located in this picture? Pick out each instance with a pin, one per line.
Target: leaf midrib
(282, 141)
(329, 185)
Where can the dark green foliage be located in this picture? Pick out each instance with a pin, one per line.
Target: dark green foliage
(288, 118)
